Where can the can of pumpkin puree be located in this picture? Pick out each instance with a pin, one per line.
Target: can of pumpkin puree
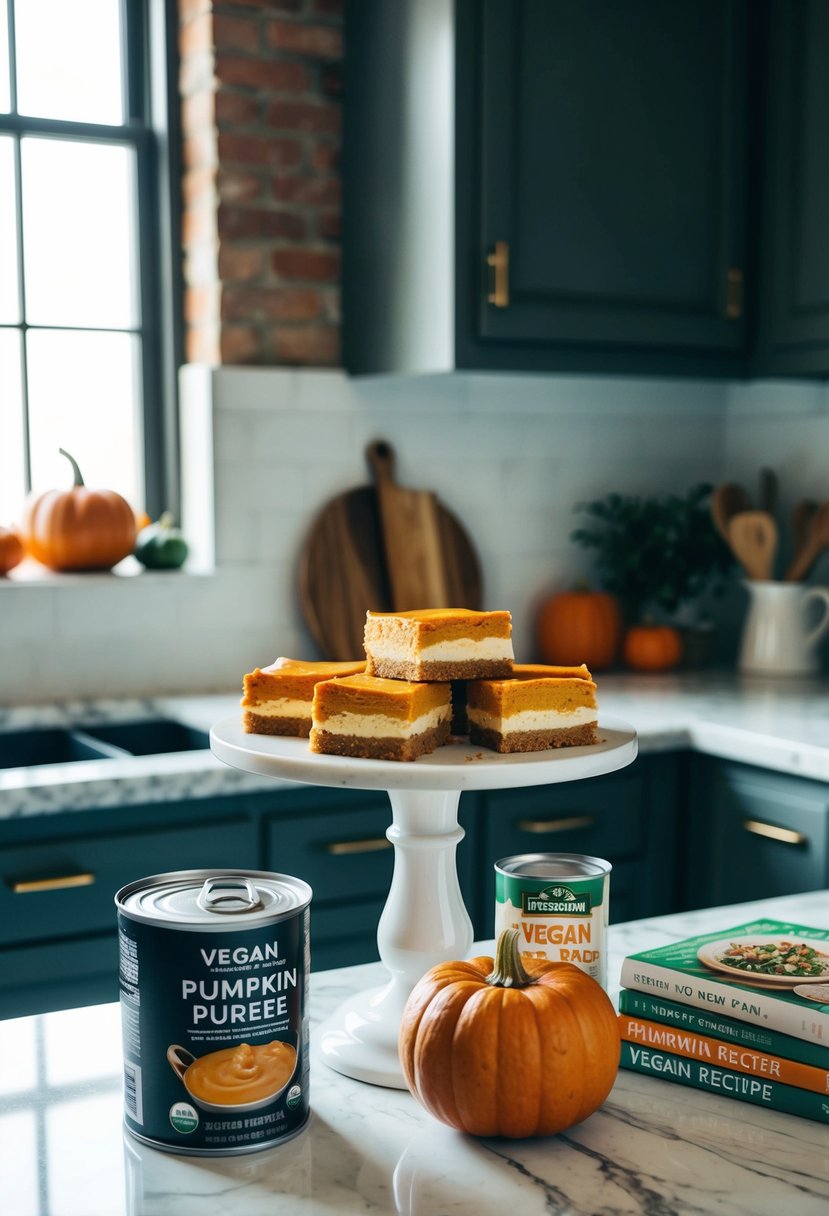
(213, 977)
(559, 903)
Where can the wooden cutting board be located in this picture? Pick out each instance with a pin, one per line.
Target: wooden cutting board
(386, 548)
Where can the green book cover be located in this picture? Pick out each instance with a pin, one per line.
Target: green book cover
(758, 1090)
(768, 973)
(717, 1026)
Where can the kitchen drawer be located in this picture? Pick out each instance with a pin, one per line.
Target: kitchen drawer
(343, 854)
(65, 887)
(344, 935)
(603, 817)
(58, 975)
(757, 834)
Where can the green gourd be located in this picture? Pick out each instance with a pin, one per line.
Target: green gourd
(161, 546)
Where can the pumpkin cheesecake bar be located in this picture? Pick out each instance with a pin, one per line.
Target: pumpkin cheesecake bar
(538, 708)
(380, 719)
(277, 699)
(438, 644)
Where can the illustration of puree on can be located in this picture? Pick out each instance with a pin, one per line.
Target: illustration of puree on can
(243, 1077)
(214, 978)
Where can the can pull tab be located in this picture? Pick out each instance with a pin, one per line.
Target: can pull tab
(230, 893)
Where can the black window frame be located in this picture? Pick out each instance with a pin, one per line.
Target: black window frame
(151, 128)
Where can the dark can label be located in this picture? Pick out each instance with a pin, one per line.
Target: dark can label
(213, 977)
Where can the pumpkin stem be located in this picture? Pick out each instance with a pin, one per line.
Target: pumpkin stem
(75, 470)
(509, 971)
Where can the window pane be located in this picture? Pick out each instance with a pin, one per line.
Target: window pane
(12, 484)
(78, 233)
(83, 396)
(9, 300)
(5, 92)
(69, 59)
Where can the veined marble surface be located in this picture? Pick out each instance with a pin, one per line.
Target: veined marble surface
(777, 724)
(655, 1147)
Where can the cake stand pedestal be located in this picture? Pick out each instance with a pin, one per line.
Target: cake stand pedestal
(424, 921)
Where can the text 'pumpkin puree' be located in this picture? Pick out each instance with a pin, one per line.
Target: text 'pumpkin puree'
(509, 1047)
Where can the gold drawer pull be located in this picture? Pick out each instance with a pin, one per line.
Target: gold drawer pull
(555, 825)
(773, 832)
(343, 848)
(32, 886)
(498, 263)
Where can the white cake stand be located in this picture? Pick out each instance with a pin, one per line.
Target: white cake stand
(424, 921)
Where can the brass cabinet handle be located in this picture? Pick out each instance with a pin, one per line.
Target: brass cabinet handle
(344, 848)
(773, 832)
(499, 263)
(59, 883)
(734, 293)
(555, 825)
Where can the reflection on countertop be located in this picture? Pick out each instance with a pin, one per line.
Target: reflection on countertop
(780, 724)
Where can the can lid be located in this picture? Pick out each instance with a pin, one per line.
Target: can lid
(218, 899)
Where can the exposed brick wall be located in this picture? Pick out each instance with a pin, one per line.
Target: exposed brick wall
(261, 123)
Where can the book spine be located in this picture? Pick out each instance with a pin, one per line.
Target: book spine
(702, 1047)
(755, 1006)
(760, 1038)
(725, 1082)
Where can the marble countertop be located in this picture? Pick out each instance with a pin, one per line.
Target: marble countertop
(777, 724)
(654, 1147)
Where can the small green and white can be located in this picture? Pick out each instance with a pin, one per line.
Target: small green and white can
(560, 904)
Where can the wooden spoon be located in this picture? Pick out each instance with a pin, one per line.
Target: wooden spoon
(726, 501)
(818, 540)
(802, 516)
(753, 539)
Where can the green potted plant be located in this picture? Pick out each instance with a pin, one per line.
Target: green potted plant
(659, 555)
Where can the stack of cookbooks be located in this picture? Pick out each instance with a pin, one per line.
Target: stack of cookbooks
(743, 1012)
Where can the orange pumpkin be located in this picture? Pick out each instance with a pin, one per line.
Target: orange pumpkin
(521, 1047)
(80, 528)
(579, 626)
(653, 647)
(11, 550)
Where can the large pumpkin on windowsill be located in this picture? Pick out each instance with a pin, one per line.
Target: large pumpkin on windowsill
(512, 1047)
(79, 528)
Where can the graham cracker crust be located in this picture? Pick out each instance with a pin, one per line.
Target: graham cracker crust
(259, 724)
(439, 673)
(533, 740)
(379, 749)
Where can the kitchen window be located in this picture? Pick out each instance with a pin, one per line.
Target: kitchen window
(89, 343)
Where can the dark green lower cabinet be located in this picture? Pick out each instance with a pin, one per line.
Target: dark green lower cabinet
(754, 834)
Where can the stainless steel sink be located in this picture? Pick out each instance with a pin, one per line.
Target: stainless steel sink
(54, 745)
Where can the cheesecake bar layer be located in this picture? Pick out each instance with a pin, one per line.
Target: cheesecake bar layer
(277, 700)
(380, 719)
(439, 644)
(540, 707)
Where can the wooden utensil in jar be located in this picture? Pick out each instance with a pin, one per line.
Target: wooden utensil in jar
(727, 500)
(816, 542)
(753, 539)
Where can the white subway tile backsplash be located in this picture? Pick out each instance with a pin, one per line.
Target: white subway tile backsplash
(510, 455)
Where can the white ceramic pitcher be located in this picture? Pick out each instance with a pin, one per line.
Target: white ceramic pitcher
(778, 638)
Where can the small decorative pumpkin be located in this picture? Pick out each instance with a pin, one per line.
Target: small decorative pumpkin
(11, 550)
(579, 626)
(79, 528)
(521, 1047)
(161, 546)
(653, 647)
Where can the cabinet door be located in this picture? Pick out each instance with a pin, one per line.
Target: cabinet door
(758, 834)
(793, 322)
(613, 160)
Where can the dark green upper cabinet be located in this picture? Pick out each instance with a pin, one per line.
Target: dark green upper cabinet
(793, 313)
(601, 145)
(612, 171)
